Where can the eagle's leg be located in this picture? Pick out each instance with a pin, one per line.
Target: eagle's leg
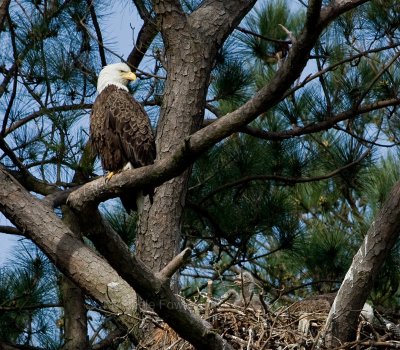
(110, 175)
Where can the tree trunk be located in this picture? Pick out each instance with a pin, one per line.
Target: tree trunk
(357, 284)
(73, 300)
(191, 44)
(75, 320)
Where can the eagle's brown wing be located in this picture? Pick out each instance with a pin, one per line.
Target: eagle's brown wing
(120, 130)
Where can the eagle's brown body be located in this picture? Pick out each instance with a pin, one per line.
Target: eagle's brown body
(120, 132)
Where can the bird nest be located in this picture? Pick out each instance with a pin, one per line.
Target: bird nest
(247, 328)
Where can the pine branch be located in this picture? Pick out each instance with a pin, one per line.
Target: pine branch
(43, 111)
(145, 37)
(29, 307)
(9, 346)
(263, 37)
(377, 77)
(11, 230)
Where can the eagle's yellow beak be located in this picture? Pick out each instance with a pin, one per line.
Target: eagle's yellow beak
(129, 76)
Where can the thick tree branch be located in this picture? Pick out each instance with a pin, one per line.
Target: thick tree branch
(89, 271)
(167, 7)
(152, 289)
(92, 273)
(357, 284)
(223, 17)
(313, 13)
(336, 8)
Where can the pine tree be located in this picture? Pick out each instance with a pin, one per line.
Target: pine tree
(290, 170)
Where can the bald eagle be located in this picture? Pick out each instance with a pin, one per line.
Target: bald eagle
(120, 129)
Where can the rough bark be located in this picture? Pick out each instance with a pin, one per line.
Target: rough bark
(357, 284)
(191, 42)
(71, 256)
(154, 289)
(75, 320)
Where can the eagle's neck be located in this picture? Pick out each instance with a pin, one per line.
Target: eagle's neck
(101, 85)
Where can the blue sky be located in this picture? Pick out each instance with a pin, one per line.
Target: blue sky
(120, 28)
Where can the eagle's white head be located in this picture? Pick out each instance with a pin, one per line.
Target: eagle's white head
(118, 74)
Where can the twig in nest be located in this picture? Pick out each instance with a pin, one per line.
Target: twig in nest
(209, 296)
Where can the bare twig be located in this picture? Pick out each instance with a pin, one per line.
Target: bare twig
(175, 264)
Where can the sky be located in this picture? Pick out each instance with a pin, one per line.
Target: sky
(123, 24)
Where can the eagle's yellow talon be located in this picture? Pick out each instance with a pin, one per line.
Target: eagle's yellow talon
(109, 176)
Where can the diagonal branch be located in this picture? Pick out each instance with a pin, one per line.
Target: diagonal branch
(97, 29)
(145, 37)
(336, 8)
(168, 167)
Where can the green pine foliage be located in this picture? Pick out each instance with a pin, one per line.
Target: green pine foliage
(123, 224)
(29, 307)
